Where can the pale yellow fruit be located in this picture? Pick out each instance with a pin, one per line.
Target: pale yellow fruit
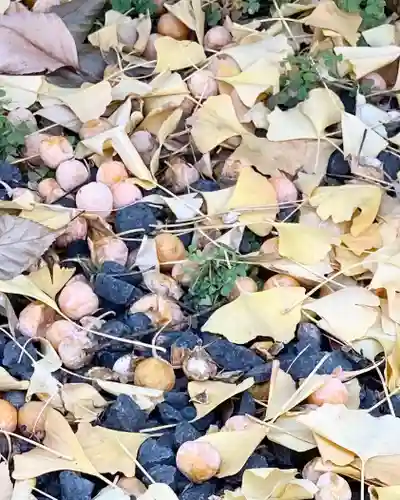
(169, 25)
(155, 373)
(8, 416)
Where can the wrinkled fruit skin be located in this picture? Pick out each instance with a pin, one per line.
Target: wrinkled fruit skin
(155, 374)
(199, 461)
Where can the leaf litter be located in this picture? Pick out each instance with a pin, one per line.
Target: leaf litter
(199, 249)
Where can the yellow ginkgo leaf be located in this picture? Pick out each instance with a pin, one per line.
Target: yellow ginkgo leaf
(327, 15)
(304, 244)
(190, 12)
(271, 313)
(255, 196)
(360, 140)
(365, 60)
(348, 313)
(89, 103)
(323, 107)
(340, 203)
(261, 76)
(51, 281)
(177, 54)
(215, 122)
(289, 125)
(369, 239)
(384, 493)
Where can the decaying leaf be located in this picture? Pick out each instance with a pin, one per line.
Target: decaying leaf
(22, 242)
(235, 447)
(177, 54)
(271, 313)
(341, 202)
(89, 102)
(32, 43)
(51, 281)
(158, 491)
(255, 199)
(145, 397)
(110, 451)
(206, 396)
(51, 216)
(347, 313)
(67, 452)
(304, 244)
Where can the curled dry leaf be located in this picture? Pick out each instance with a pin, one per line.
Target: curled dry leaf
(271, 313)
(22, 242)
(254, 191)
(347, 313)
(110, 451)
(145, 397)
(304, 244)
(82, 401)
(67, 452)
(177, 54)
(208, 395)
(341, 202)
(33, 43)
(51, 281)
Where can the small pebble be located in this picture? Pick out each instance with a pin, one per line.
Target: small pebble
(74, 487)
(152, 453)
(124, 415)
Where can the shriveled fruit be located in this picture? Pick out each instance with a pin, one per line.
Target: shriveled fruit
(280, 280)
(237, 423)
(31, 419)
(202, 84)
(169, 25)
(155, 374)
(50, 190)
(170, 250)
(199, 461)
(243, 284)
(150, 52)
(216, 38)
(76, 230)
(77, 299)
(286, 191)
(60, 330)
(198, 365)
(333, 487)
(125, 193)
(8, 416)
(34, 319)
(55, 150)
(179, 175)
(109, 248)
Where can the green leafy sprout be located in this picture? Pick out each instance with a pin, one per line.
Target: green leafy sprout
(216, 275)
(371, 11)
(134, 6)
(11, 136)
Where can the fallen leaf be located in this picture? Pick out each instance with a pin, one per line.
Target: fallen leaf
(51, 281)
(215, 122)
(323, 108)
(327, 15)
(112, 493)
(235, 447)
(380, 36)
(7, 310)
(304, 244)
(145, 397)
(22, 242)
(166, 91)
(167, 128)
(272, 48)
(51, 216)
(348, 313)
(79, 17)
(9, 383)
(146, 258)
(340, 203)
(20, 91)
(4, 4)
(106, 38)
(355, 431)
(89, 102)
(42, 380)
(290, 125)
(67, 452)
(62, 115)
(108, 450)
(289, 432)
(369, 239)
(261, 76)
(384, 493)
(350, 264)
(253, 191)
(32, 43)
(128, 86)
(216, 201)
(208, 395)
(366, 60)
(6, 484)
(119, 140)
(82, 401)
(360, 140)
(177, 54)
(269, 314)
(158, 491)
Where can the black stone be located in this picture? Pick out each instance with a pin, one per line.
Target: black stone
(152, 453)
(138, 323)
(116, 270)
(17, 363)
(74, 486)
(198, 492)
(348, 99)
(114, 290)
(233, 357)
(204, 423)
(260, 373)
(16, 398)
(205, 185)
(308, 334)
(10, 174)
(288, 214)
(186, 239)
(77, 248)
(187, 340)
(185, 432)
(124, 415)
(189, 413)
(302, 366)
(167, 439)
(256, 461)
(138, 216)
(247, 405)
(67, 202)
(176, 399)
(338, 167)
(168, 414)
(108, 357)
(391, 165)
(49, 483)
(165, 474)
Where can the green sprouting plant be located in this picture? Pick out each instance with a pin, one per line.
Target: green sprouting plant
(301, 75)
(213, 15)
(251, 7)
(216, 275)
(371, 11)
(134, 6)
(11, 136)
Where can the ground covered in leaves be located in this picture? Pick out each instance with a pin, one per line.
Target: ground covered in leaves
(199, 250)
